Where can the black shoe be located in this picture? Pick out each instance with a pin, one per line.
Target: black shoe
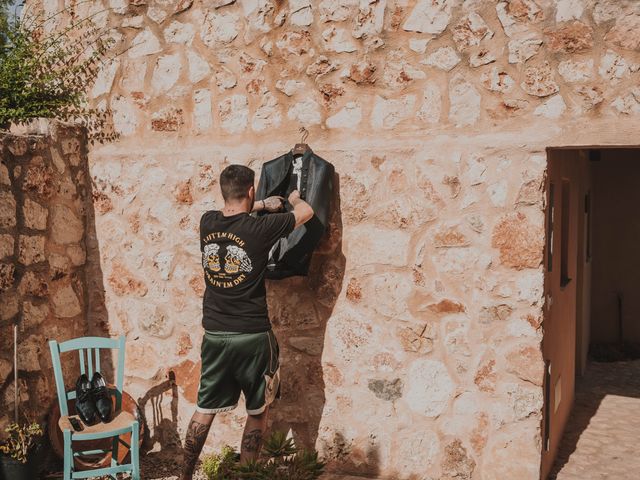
(85, 406)
(101, 397)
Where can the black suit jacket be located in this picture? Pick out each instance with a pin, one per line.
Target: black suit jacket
(292, 254)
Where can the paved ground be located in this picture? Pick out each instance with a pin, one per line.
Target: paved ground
(603, 435)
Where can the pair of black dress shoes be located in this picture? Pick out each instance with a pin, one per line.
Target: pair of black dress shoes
(93, 400)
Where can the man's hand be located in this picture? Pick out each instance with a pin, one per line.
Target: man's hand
(273, 204)
(301, 209)
(294, 197)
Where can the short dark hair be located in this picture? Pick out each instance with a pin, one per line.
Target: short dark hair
(235, 182)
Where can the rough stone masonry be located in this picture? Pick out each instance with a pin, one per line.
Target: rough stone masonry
(412, 350)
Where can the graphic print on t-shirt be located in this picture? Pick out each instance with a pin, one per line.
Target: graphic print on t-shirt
(225, 261)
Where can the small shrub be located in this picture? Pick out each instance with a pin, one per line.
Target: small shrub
(280, 460)
(46, 70)
(21, 440)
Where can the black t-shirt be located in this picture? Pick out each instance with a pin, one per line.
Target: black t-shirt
(235, 251)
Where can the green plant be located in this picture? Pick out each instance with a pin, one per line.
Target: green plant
(47, 67)
(22, 438)
(280, 460)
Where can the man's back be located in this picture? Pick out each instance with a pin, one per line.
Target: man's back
(235, 251)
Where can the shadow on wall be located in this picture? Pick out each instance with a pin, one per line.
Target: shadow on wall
(300, 308)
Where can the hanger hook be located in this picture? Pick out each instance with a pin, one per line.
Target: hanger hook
(305, 134)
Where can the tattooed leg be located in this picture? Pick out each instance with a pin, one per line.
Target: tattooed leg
(253, 436)
(194, 441)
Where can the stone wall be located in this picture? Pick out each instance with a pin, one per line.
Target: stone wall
(412, 349)
(43, 194)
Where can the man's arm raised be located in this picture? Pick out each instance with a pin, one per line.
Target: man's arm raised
(301, 209)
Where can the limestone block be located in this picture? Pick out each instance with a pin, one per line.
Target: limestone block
(9, 305)
(456, 463)
(348, 117)
(509, 443)
(306, 113)
(29, 353)
(569, 10)
(106, 75)
(199, 68)
(389, 113)
(225, 79)
(553, 108)
(337, 10)
(166, 73)
(481, 57)
(497, 80)
(539, 81)
(136, 22)
(156, 14)
(300, 13)
(431, 388)
(362, 72)
(18, 146)
(398, 73)
(123, 282)
(66, 227)
(7, 276)
(219, 28)
(151, 319)
(369, 20)
(516, 17)
(464, 102)
(234, 113)
(373, 246)
(31, 249)
(65, 303)
(202, 116)
(145, 43)
(7, 210)
(38, 179)
(522, 49)
(177, 32)
(576, 71)
(418, 45)
(338, 40)
(125, 116)
(519, 242)
(429, 16)
(6, 245)
(628, 104)
(626, 32)
(613, 67)
(570, 38)
(35, 215)
(4, 175)
(168, 119)
(268, 114)
(431, 108)
(444, 58)
(34, 314)
(33, 284)
(470, 31)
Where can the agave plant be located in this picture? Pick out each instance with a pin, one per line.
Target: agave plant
(280, 460)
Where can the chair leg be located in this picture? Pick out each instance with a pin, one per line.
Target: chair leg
(135, 451)
(68, 454)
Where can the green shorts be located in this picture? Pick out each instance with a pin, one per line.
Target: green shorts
(238, 362)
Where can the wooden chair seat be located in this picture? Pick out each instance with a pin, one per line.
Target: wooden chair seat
(119, 421)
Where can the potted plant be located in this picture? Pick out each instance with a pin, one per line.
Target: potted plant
(17, 461)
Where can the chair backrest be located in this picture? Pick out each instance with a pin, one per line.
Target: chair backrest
(91, 347)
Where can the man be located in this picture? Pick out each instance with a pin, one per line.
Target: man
(239, 350)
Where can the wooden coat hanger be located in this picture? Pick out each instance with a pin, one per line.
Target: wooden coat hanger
(302, 147)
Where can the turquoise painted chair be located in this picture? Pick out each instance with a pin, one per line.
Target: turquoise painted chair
(121, 423)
